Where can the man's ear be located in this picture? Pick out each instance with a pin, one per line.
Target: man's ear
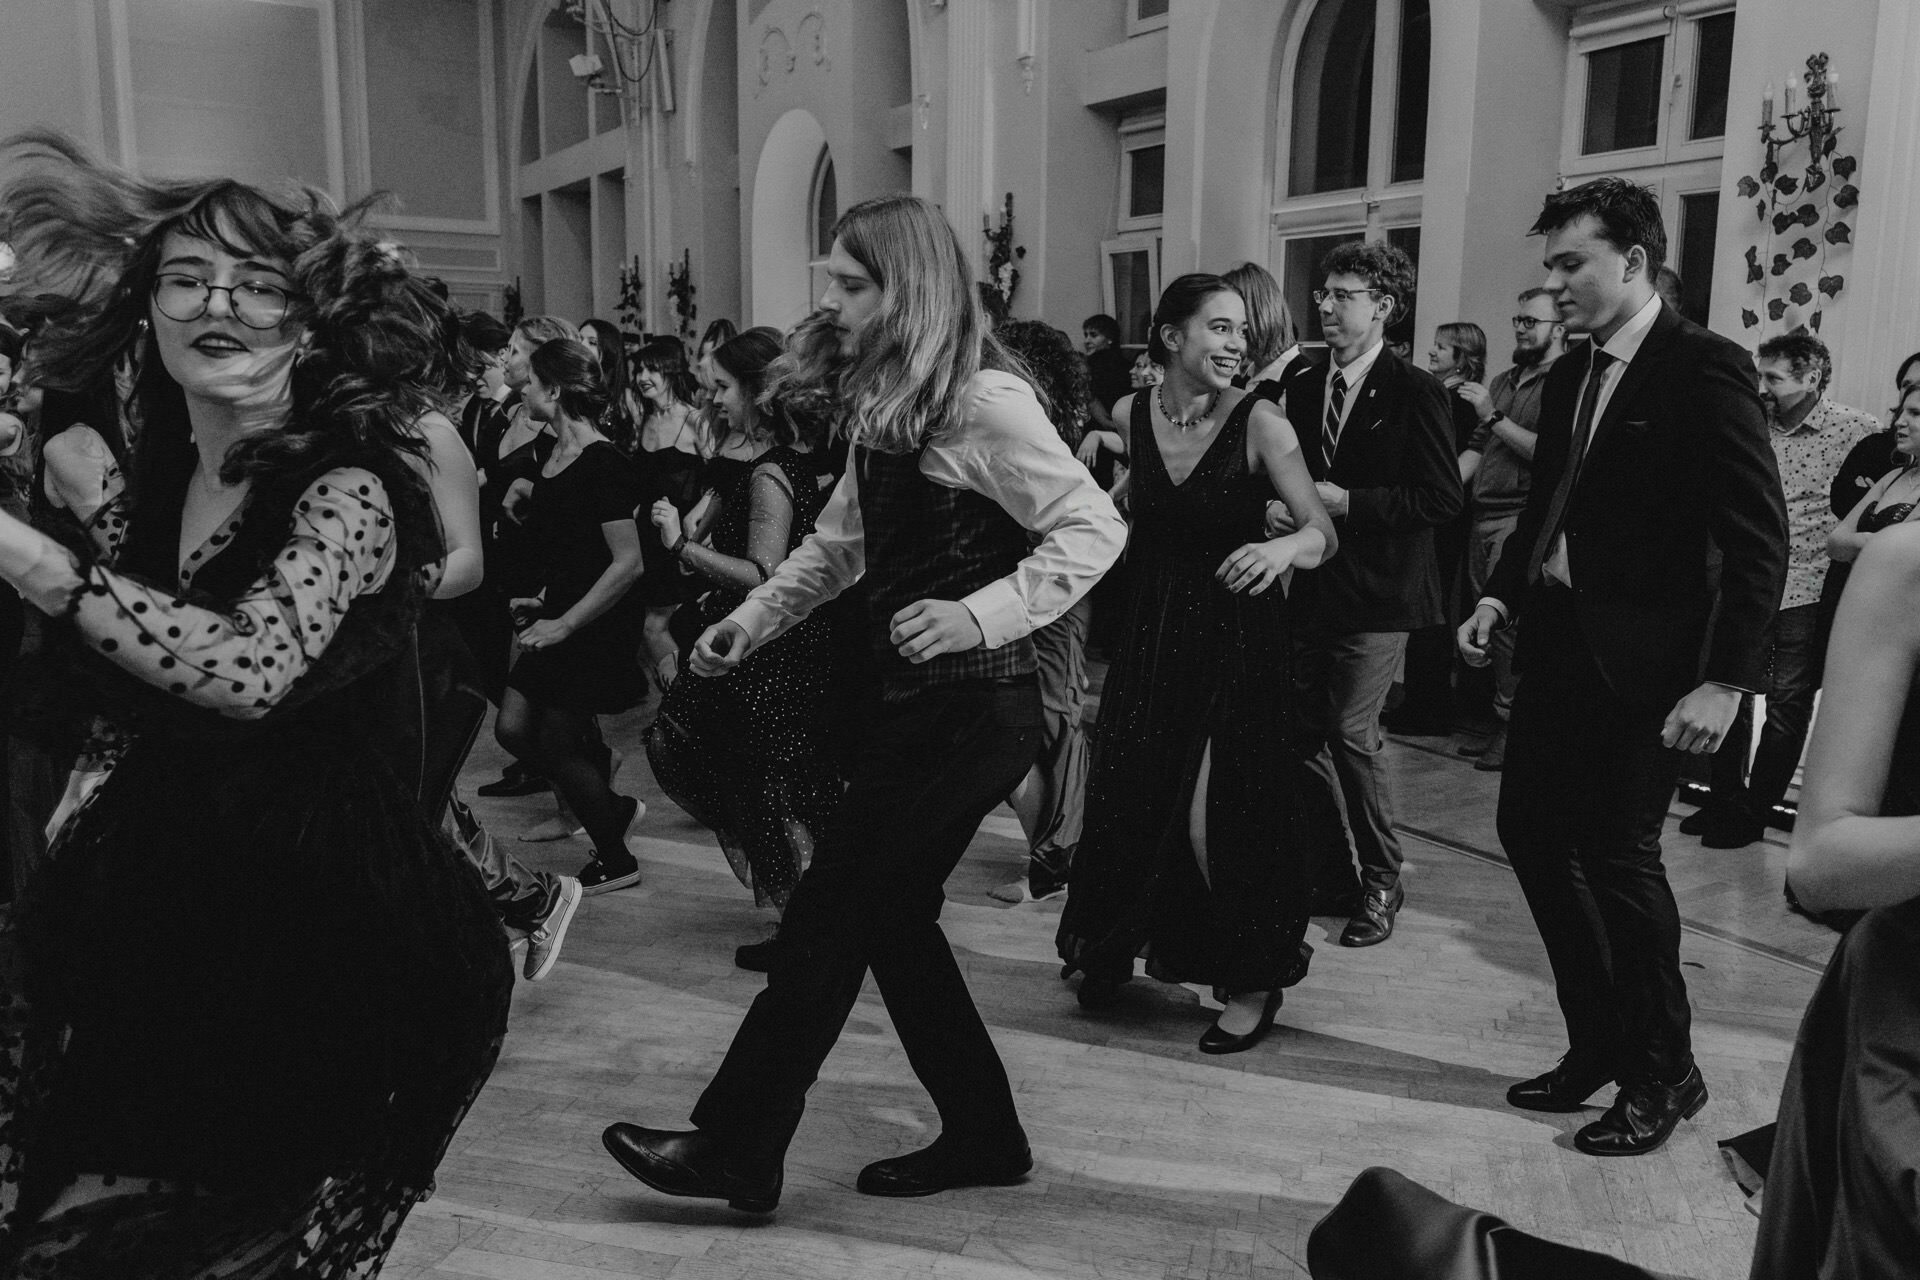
(1636, 257)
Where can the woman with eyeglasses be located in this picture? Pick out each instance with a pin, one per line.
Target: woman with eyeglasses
(262, 991)
(1196, 845)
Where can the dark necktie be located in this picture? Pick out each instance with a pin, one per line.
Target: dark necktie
(1582, 430)
(1330, 431)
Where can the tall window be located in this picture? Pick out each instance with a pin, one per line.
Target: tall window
(1355, 134)
(1647, 100)
(823, 213)
(1130, 283)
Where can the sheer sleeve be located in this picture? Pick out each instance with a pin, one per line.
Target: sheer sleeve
(769, 520)
(240, 660)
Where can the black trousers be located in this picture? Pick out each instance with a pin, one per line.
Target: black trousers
(929, 769)
(1582, 802)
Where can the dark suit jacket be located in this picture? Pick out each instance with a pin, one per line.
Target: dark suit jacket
(1677, 508)
(1398, 465)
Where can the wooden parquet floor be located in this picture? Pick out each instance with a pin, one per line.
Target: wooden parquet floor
(1154, 1162)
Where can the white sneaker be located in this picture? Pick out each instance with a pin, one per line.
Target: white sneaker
(544, 943)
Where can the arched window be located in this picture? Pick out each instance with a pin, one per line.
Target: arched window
(1356, 125)
(823, 211)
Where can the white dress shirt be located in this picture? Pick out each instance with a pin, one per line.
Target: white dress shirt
(1622, 346)
(1004, 448)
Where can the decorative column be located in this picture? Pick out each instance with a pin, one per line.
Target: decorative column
(1883, 305)
(969, 121)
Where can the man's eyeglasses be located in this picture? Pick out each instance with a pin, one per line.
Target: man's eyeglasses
(1341, 296)
(254, 303)
(1530, 323)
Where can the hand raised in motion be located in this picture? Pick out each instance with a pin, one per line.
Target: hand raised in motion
(1089, 450)
(1255, 567)
(928, 628)
(1478, 396)
(666, 518)
(720, 648)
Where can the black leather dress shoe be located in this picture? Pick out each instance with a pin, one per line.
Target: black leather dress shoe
(1643, 1117)
(691, 1164)
(1373, 922)
(1565, 1088)
(944, 1166)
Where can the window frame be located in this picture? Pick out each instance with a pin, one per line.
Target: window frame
(1139, 26)
(1679, 27)
(816, 256)
(1138, 134)
(1125, 243)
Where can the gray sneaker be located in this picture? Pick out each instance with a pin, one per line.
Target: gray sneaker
(544, 943)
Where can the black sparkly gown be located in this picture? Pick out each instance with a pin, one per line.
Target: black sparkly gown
(1195, 664)
(750, 755)
(256, 983)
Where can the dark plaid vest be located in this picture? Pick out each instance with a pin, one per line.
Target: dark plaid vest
(925, 541)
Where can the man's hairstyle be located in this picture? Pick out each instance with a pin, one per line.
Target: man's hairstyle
(1104, 325)
(1900, 375)
(1628, 214)
(1269, 324)
(1538, 291)
(1385, 269)
(1802, 352)
(484, 333)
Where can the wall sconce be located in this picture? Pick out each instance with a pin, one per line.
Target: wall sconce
(1814, 122)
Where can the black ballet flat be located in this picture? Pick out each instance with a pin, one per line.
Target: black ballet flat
(1217, 1041)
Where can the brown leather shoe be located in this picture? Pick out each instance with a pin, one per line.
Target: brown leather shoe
(691, 1164)
(1565, 1088)
(1373, 922)
(1643, 1117)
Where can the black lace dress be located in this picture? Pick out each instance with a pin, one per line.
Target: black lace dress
(750, 755)
(1196, 664)
(260, 993)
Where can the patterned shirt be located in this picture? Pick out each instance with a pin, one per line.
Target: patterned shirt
(1500, 484)
(1809, 455)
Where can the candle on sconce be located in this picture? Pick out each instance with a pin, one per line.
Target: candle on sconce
(1766, 105)
(1793, 86)
(1833, 90)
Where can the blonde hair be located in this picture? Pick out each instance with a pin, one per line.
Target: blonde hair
(928, 338)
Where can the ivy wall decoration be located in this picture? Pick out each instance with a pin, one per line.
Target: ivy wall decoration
(1805, 215)
(1002, 275)
(632, 298)
(680, 289)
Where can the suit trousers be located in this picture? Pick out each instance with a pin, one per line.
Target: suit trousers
(930, 768)
(1343, 679)
(1795, 658)
(1583, 799)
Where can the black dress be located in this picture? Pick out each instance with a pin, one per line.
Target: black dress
(1841, 1189)
(1196, 663)
(253, 973)
(679, 477)
(750, 756)
(595, 670)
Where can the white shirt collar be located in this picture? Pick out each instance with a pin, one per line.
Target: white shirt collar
(1625, 343)
(1353, 373)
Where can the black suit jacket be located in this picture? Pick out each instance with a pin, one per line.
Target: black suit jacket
(1402, 475)
(1677, 508)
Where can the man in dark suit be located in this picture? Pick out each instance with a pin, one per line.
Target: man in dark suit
(1377, 436)
(1647, 563)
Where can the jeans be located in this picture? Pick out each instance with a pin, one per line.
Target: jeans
(932, 766)
(1793, 680)
(1343, 681)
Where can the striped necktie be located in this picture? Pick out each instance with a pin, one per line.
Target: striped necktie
(1336, 402)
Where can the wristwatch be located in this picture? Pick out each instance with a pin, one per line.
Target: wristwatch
(679, 546)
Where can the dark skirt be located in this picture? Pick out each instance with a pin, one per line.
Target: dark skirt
(594, 671)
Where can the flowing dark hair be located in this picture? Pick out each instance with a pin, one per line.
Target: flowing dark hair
(717, 334)
(1060, 376)
(667, 356)
(567, 368)
(1269, 324)
(377, 352)
(751, 359)
(617, 423)
(804, 381)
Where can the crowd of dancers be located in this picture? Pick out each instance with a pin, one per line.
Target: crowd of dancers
(285, 524)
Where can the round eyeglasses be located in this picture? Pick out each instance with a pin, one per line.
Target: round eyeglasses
(254, 303)
(1342, 296)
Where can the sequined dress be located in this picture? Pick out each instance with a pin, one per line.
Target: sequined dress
(1196, 664)
(258, 989)
(750, 755)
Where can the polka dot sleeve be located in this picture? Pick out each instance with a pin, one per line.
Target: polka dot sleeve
(240, 661)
